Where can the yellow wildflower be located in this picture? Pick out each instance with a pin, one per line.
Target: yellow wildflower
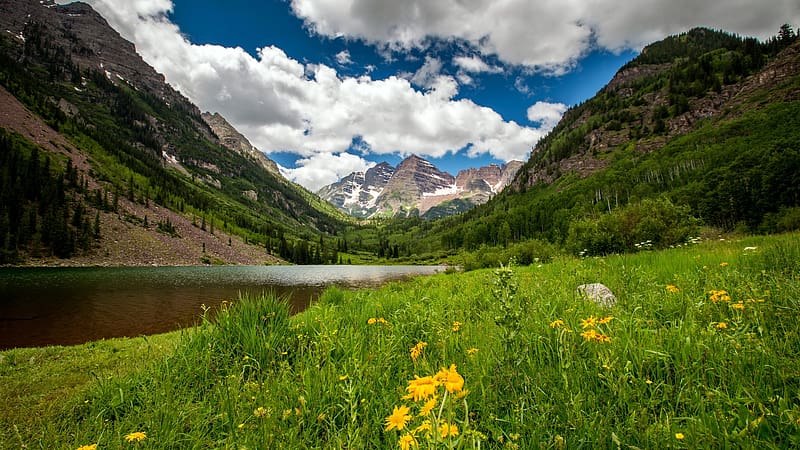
(589, 334)
(425, 426)
(399, 418)
(723, 264)
(428, 406)
(417, 350)
(592, 335)
(456, 326)
(679, 436)
(557, 323)
(739, 306)
(372, 321)
(649, 381)
(421, 388)
(260, 412)
(722, 326)
(719, 296)
(88, 447)
(605, 320)
(472, 351)
(138, 436)
(671, 288)
(447, 429)
(591, 322)
(450, 378)
(382, 321)
(407, 441)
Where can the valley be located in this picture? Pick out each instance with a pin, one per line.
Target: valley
(695, 136)
(674, 189)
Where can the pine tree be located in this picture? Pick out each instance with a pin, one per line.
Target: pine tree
(96, 228)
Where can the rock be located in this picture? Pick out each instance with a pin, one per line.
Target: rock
(251, 194)
(598, 293)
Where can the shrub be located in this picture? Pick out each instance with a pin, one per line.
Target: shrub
(657, 222)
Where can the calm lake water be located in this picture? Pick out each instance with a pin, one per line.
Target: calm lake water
(66, 306)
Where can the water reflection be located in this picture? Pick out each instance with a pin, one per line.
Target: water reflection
(65, 306)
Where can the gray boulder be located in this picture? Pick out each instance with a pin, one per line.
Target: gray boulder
(598, 293)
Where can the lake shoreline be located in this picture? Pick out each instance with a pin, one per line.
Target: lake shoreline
(68, 305)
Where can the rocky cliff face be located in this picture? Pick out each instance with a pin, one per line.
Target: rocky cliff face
(232, 139)
(357, 193)
(93, 44)
(414, 179)
(415, 187)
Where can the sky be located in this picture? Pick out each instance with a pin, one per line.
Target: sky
(328, 87)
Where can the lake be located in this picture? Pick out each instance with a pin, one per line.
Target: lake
(67, 306)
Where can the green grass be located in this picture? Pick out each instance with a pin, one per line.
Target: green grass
(328, 378)
(40, 385)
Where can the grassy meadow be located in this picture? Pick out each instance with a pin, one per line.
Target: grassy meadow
(701, 350)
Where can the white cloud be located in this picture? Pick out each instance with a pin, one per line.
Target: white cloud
(343, 58)
(521, 86)
(322, 169)
(547, 35)
(281, 104)
(546, 114)
(464, 79)
(474, 64)
(427, 74)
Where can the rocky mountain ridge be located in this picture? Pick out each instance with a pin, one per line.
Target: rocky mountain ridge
(231, 138)
(416, 187)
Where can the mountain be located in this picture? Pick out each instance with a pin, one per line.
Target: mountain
(416, 188)
(233, 140)
(129, 170)
(357, 193)
(698, 134)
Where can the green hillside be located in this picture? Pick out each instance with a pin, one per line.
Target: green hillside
(130, 134)
(701, 130)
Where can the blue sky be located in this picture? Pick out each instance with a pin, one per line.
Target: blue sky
(510, 93)
(326, 87)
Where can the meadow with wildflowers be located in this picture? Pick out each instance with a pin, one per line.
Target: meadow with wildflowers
(700, 351)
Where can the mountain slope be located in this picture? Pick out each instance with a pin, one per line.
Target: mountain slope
(416, 187)
(233, 140)
(703, 125)
(357, 193)
(140, 139)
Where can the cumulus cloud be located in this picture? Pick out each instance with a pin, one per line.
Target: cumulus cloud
(546, 114)
(547, 35)
(322, 169)
(281, 104)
